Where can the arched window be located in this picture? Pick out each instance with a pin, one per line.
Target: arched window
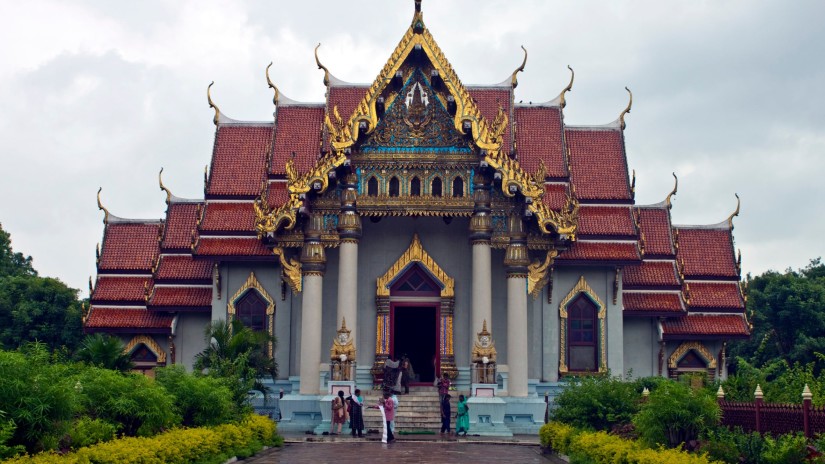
(372, 187)
(394, 186)
(415, 187)
(458, 187)
(436, 187)
(250, 309)
(582, 334)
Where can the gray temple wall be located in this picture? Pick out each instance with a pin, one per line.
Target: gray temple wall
(641, 349)
(189, 337)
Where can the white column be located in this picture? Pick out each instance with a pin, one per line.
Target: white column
(311, 334)
(348, 287)
(482, 290)
(517, 334)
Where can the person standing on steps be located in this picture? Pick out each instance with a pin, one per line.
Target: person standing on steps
(445, 414)
(443, 386)
(356, 417)
(339, 413)
(394, 409)
(385, 405)
(462, 418)
(407, 374)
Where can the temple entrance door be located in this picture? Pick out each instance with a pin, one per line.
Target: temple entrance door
(415, 330)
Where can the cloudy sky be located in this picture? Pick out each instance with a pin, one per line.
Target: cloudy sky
(728, 94)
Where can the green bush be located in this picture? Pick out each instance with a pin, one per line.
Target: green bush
(199, 400)
(6, 432)
(86, 431)
(676, 414)
(597, 403)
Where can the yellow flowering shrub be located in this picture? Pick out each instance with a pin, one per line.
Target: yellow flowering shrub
(601, 447)
(176, 446)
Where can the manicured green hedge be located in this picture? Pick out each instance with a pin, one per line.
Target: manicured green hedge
(600, 447)
(202, 445)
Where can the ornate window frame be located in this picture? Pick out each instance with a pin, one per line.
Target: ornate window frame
(252, 283)
(150, 344)
(582, 287)
(682, 350)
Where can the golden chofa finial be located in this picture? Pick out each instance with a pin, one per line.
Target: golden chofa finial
(272, 86)
(670, 195)
(626, 110)
(735, 213)
(163, 187)
(569, 87)
(418, 18)
(212, 104)
(513, 79)
(100, 207)
(320, 66)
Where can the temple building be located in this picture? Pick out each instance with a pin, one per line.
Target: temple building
(419, 216)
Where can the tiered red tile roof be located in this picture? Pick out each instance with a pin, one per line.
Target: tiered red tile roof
(555, 195)
(346, 97)
(229, 217)
(180, 222)
(240, 155)
(723, 296)
(651, 274)
(277, 194)
(181, 298)
(706, 253)
(488, 101)
(298, 131)
(232, 246)
(539, 138)
(655, 225)
(598, 164)
(177, 268)
(606, 221)
(602, 252)
(652, 304)
(120, 289)
(704, 326)
(130, 247)
(123, 320)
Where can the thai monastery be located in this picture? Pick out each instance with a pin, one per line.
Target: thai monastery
(421, 216)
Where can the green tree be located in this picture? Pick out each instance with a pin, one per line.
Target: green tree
(675, 414)
(200, 401)
(238, 355)
(11, 263)
(788, 316)
(104, 351)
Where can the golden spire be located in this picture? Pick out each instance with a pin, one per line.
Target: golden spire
(735, 213)
(272, 86)
(100, 207)
(670, 195)
(484, 328)
(418, 18)
(212, 104)
(163, 187)
(320, 66)
(513, 80)
(626, 110)
(569, 87)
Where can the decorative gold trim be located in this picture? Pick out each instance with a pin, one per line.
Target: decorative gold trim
(250, 284)
(163, 187)
(562, 101)
(290, 269)
(272, 86)
(537, 274)
(416, 253)
(626, 110)
(582, 287)
(735, 213)
(150, 343)
(320, 66)
(673, 192)
(684, 348)
(100, 207)
(212, 104)
(513, 79)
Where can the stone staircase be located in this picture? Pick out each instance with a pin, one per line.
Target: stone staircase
(417, 411)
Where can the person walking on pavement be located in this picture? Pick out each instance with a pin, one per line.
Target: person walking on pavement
(462, 418)
(445, 414)
(385, 405)
(356, 417)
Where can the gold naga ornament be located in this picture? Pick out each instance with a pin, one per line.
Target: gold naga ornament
(484, 355)
(488, 138)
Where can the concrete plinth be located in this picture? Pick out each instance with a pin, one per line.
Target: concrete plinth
(487, 417)
(300, 413)
(524, 415)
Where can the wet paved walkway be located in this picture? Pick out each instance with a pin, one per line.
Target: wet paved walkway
(420, 451)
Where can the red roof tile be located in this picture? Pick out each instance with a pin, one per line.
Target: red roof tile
(181, 297)
(239, 160)
(555, 196)
(652, 303)
(346, 98)
(598, 164)
(228, 217)
(180, 222)
(706, 325)
(129, 247)
(225, 246)
(123, 290)
(706, 253)
(600, 251)
(606, 221)
(655, 225)
(539, 137)
(651, 274)
(488, 101)
(277, 195)
(177, 267)
(719, 295)
(127, 320)
(298, 131)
